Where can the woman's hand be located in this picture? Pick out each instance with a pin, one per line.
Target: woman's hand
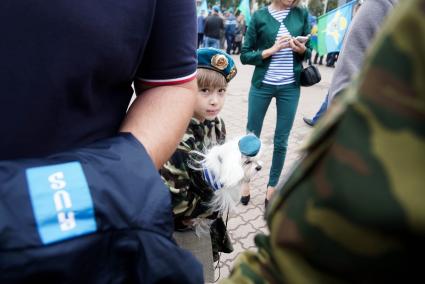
(297, 46)
(280, 43)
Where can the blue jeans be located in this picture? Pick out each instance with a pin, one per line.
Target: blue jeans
(287, 97)
(211, 42)
(322, 110)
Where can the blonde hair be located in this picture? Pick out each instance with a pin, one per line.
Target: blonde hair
(296, 3)
(210, 79)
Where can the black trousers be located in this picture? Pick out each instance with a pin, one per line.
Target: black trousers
(200, 39)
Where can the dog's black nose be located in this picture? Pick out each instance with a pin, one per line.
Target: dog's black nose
(257, 168)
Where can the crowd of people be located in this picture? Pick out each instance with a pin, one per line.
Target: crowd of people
(92, 191)
(221, 30)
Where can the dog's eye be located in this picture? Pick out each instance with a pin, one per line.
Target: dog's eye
(247, 162)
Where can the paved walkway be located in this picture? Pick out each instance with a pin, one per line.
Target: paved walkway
(249, 220)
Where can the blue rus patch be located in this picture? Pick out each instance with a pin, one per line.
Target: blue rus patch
(61, 201)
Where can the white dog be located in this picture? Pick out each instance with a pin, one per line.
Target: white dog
(226, 166)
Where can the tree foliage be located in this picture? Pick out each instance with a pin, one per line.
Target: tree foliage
(332, 4)
(263, 2)
(316, 7)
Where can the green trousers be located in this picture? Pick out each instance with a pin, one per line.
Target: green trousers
(287, 97)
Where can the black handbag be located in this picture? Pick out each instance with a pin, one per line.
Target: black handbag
(310, 76)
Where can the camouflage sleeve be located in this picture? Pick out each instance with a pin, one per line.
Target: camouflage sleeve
(352, 212)
(188, 189)
(222, 132)
(175, 174)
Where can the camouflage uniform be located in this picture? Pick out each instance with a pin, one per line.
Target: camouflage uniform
(354, 209)
(189, 190)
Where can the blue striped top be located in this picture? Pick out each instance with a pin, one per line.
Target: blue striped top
(281, 68)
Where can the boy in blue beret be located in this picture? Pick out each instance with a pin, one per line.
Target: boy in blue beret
(190, 192)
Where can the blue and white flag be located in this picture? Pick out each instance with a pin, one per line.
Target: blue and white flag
(332, 28)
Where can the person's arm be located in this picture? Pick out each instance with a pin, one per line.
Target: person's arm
(160, 114)
(279, 44)
(302, 51)
(250, 53)
(363, 28)
(159, 117)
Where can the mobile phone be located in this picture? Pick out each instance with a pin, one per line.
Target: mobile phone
(302, 39)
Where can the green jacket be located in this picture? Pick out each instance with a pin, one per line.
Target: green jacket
(261, 35)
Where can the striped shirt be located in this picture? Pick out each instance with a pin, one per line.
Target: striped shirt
(281, 68)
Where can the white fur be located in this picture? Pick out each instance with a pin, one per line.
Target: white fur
(229, 168)
(202, 226)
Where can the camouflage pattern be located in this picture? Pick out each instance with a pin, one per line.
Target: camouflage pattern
(189, 191)
(354, 209)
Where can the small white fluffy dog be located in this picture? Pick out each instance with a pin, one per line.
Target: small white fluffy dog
(224, 168)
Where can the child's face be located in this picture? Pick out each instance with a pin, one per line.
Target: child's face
(209, 102)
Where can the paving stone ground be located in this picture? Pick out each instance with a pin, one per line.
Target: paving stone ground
(249, 219)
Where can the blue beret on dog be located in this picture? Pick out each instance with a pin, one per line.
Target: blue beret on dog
(249, 145)
(217, 60)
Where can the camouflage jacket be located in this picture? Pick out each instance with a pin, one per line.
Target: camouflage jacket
(354, 209)
(188, 189)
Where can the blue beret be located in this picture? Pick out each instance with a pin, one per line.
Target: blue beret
(216, 8)
(249, 145)
(217, 60)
